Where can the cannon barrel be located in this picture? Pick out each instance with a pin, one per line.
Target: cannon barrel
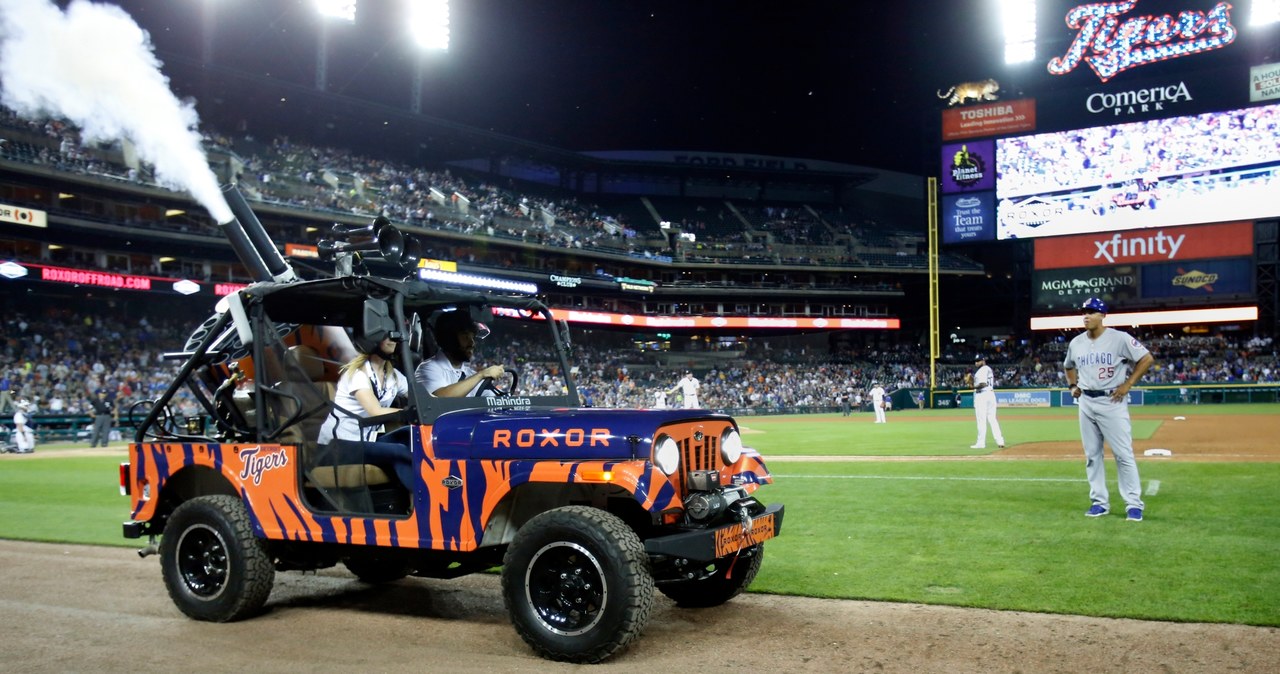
(274, 263)
(245, 250)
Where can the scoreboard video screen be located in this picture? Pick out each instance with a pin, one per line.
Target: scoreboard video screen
(1210, 167)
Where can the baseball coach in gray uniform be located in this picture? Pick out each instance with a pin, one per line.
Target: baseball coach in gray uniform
(1102, 364)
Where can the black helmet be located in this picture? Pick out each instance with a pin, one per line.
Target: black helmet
(451, 322)
(368, 345)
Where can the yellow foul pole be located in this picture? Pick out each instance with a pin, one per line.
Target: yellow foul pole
(934, 328)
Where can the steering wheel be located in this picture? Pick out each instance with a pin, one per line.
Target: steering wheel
(490, 385)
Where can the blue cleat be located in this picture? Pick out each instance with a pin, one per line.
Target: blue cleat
(1133, 515)
(1098, 510)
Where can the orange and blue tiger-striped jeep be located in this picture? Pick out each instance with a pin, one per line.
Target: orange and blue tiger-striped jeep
(587, 510)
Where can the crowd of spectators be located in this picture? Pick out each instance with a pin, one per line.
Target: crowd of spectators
(62, 358)
(58, 361)
(326, 179)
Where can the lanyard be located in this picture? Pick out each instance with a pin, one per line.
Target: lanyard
(373, 382)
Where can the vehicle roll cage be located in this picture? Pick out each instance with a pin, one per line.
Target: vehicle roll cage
(270, 313)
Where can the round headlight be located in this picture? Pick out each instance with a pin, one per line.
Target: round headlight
(666, 454)
(731, 447)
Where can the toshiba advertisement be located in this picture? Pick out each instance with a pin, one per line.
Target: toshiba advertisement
(1197, 242)
(991, 119)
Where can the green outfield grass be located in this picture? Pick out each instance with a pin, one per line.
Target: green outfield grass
(63, 499)
(994, 534)
(1012, 535)
(943, 432)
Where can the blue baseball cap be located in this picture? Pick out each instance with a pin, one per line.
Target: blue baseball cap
(1094, 304)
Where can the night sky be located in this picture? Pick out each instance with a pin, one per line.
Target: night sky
(846, 81)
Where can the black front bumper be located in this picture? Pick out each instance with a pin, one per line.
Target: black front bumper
(705, 545)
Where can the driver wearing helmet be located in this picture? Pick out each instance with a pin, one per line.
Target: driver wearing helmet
(449, 374)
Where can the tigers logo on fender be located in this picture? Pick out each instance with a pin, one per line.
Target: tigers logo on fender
(255, 466)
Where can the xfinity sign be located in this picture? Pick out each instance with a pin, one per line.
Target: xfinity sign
(1192, 242)
(1120, 247)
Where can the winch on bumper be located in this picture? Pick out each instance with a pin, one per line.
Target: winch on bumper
(734, 521)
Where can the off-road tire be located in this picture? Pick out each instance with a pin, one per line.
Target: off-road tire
(577, 583)
(214, 567)
(717, 589)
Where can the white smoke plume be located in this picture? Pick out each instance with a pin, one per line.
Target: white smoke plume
(94, 67)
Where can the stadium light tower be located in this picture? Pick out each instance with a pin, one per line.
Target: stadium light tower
(429, 28)
(429, 23)
(1265, 12)
(337, 9)
(341, 10)
(1018, 17)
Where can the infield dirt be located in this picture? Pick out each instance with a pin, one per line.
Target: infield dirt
(79, 608)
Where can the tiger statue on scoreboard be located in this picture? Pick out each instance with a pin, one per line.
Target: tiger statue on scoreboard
(978, 91)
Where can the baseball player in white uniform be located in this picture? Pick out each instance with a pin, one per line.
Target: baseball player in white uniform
(688, 387)
(877, 401)
(1102, 364)
(984, 403)
(22, 433)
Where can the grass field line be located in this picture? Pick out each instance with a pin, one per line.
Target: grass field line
(1153, 487)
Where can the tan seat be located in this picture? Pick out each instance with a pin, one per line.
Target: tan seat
(311, 363)
(344, 476)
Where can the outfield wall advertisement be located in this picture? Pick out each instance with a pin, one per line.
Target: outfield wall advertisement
(1063, 290)
(1136, 397)
(1189, 282)
(968, 218)
(968, 167)
(1203, 279)
(1028, 398)
(1196, 242)
(992, 119)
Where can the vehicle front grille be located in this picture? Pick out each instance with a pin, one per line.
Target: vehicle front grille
(701, 454)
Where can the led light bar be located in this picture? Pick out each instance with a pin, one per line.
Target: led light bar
(575, 316)
(476, 281)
